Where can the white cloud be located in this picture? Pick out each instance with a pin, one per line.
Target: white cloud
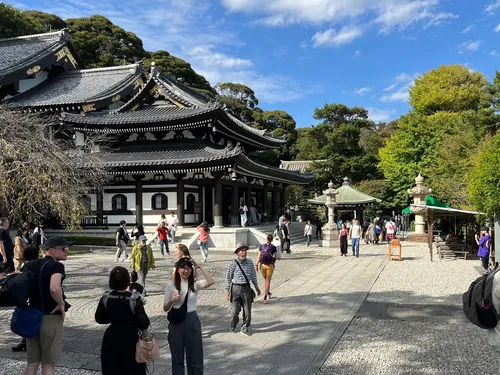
(380, 115)
(362, 91)
(206, 56)
(497, 29)
(330, 37)
(303, 44)
(494, 53)
(468, 29)
(398, 91)
(388, 15)
(356, 54)
(492, 7)
(470, 46)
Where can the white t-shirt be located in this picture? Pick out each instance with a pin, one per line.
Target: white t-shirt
(308, 229)
(172, 221)
(356, 231)
(390, 226)
(193, 297)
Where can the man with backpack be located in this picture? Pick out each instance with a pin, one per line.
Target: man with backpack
(122, 239)
(45, 347)
(267, 256)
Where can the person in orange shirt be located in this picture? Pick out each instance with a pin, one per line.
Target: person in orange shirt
(204, 238)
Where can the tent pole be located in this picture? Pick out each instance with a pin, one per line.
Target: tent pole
(429, 230)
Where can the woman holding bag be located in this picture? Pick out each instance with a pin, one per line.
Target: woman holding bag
(118, 351)
(184, 330)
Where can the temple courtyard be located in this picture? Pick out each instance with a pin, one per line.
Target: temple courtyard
(329, 315)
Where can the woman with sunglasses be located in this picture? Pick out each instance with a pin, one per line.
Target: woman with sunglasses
(184, 332)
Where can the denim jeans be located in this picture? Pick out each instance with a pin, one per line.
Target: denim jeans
(204, 250)
(172, 235)
(355, 246)
(309, 239)
(164, 245)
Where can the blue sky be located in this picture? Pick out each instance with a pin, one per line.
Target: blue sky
(300, 54)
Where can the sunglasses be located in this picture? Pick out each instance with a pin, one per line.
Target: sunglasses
(64, 249)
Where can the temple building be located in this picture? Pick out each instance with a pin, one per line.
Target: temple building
(169, 148)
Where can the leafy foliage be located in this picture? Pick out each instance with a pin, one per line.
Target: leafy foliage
(295, 195)
(281, 124)
(13, 22)
(451, 88)
(484, 177)
(237, 99)
(180, 70)
(101, 43)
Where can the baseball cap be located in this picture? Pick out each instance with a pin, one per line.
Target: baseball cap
(54, 242)
(143, 238)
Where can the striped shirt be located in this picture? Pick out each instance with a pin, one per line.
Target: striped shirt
(235, 276)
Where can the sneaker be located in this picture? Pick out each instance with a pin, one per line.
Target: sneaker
(246, 332)
(232, 329)
(265, 299)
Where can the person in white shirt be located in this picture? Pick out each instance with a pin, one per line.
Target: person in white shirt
(355, 236)
(244, 214)
(308, 232)
(172, 222)
(184, 329)
(390, 228)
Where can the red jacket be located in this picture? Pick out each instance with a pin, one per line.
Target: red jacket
(163, 233)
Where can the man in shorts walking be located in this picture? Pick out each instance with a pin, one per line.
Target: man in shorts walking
(45, 348)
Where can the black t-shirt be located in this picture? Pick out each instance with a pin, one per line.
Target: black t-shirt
(51, 268)
(7, 243)
(123, 234)
(283, 229)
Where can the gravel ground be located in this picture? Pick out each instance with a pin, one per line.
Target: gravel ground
(417, 280)
(13, 367)
(394, 347)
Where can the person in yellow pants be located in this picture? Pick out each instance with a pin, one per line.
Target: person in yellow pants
(266, 258)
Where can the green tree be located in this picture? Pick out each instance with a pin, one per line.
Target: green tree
(100, 43)
(452, 88)
(484, 177)
(295, 195)
(43, 22)
(281, 123)
(13, 22)
(237, 99)
(179, 69)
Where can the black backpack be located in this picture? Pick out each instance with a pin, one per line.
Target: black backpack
(15, 291)
(478, 301)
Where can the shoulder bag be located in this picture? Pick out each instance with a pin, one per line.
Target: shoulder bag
(246, 278)
(26, 321)
(146, 349)
(176, 316)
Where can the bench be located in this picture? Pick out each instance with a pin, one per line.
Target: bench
(451, 250)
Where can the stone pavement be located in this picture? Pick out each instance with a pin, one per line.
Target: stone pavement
(316, 296)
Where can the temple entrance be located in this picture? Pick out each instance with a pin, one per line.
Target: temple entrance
(208, 204)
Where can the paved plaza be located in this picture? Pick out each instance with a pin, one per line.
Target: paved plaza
(330, 315)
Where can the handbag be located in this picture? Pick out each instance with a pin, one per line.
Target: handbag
(176, 316)
(146, 349)
(246, 278)
(26, 321)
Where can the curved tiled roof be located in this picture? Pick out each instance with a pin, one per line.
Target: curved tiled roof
(298, 165)
(347, 195)
(180, 92)
(79, 87)
(175, 155)
(19, 54)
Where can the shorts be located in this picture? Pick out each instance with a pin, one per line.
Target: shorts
(46, 347)
(267, 270)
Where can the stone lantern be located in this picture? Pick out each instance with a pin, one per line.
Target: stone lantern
(419, 192)
(330, 228)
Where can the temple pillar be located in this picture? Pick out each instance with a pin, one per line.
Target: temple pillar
(100, 206)
(235, 205)
(282, 198)
(265, 202)
(276, 205)
(180, 199)
(248, 196)
(218, 203)
(138, 199)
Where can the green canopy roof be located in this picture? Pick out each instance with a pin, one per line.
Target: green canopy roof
(429, 201)
(347, 196)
